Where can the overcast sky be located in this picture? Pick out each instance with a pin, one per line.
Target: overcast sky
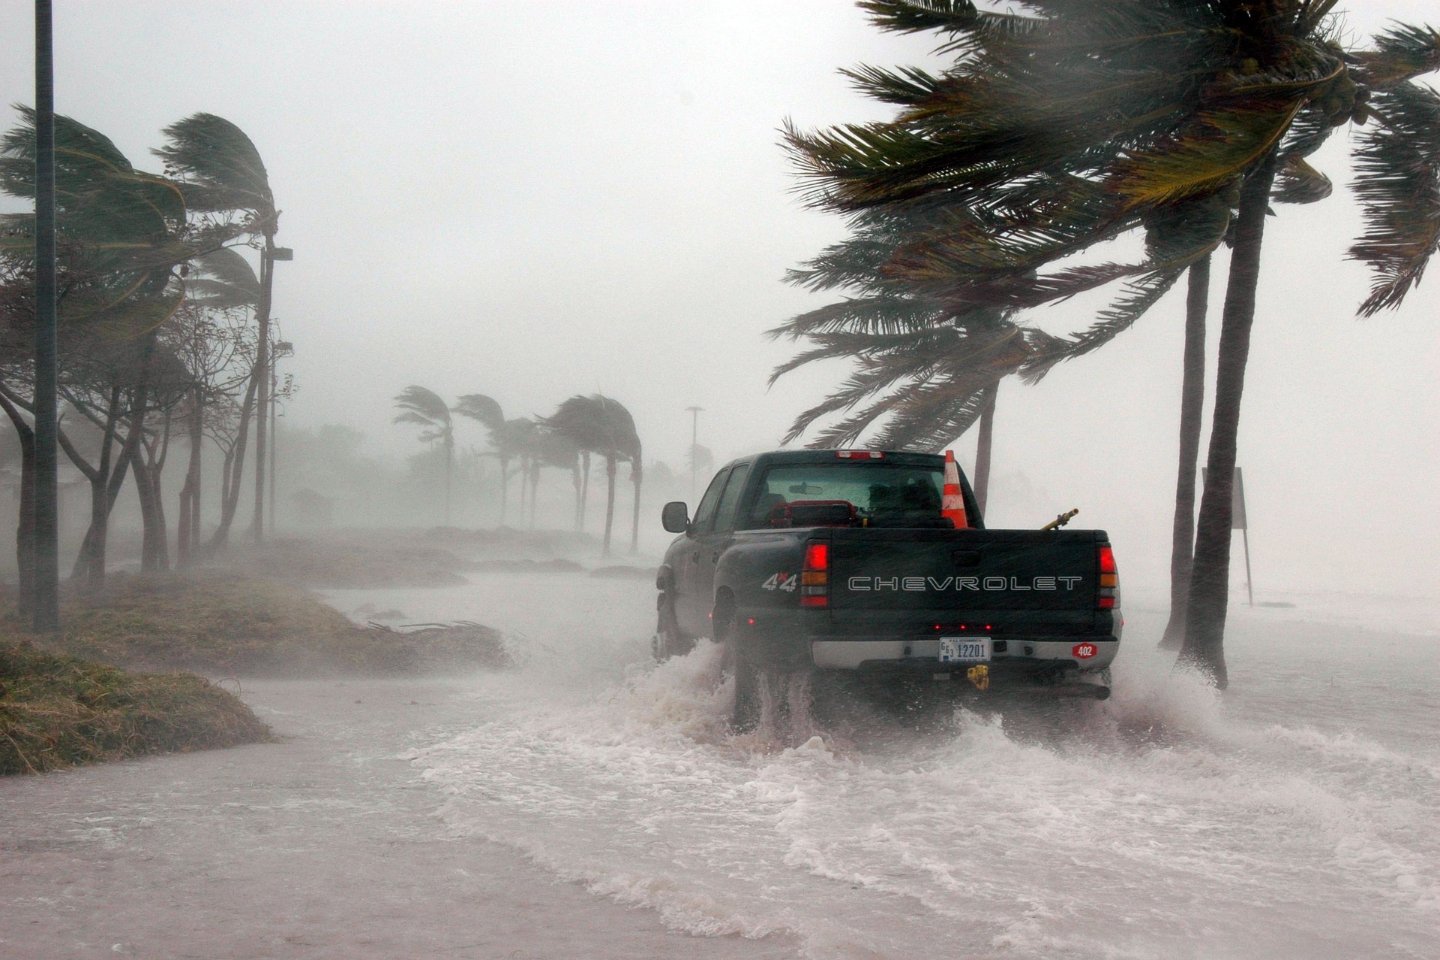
(537, 199)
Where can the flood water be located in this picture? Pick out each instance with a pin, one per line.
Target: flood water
(592, 803)
(1295, 816)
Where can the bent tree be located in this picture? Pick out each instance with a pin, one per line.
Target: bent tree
(1054, 130)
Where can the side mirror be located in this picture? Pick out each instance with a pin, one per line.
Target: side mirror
(675, 517)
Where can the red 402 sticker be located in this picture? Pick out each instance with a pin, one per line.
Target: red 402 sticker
(1084, 651)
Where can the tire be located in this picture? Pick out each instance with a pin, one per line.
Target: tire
(745, 713)
(668, 640)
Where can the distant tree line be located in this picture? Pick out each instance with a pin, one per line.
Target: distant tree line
(163, 326)
(1060, 126)
(581, 427)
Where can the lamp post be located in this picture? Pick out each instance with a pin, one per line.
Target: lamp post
(694, 439)
(44, 558)
(269, 254)
(282, 349)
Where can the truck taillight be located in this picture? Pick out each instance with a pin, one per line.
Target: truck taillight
(1109, 596)
(860, 454)
(815, 576)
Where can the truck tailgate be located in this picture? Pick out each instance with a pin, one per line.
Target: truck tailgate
(1022, 578)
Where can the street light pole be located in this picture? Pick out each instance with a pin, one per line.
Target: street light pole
(44, 493)
(283, 348)
(269, 254)
(694, 440)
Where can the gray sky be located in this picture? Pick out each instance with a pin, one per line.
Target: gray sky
(537, 199)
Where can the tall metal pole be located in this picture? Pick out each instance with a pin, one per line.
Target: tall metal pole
(46, 612)
(694, 439)
(273, 385)
(262, 375)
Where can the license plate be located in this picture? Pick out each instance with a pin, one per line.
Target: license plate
(964, 649)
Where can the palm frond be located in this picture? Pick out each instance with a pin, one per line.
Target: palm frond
(219, 166)
(1398, 185)
(1298, 182)
(222, 279)
(1137, 298)
(1213, 150)
(1402, 53)
(478, 406)
(421, 405)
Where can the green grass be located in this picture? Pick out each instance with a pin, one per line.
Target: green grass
(67, 699)
(59, 711)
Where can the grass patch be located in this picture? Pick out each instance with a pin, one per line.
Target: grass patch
(59, 711)
(221, 625)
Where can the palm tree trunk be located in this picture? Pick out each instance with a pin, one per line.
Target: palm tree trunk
(984, 445)
(1192, 403)
(636, 475)
(584, 487)
(610, 472)
(1210, 577)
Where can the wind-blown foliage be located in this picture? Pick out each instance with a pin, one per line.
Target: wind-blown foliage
(1077, 121)
(603, 426)
(421, 406)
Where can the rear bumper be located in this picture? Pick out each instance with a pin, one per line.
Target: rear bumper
(1019, 655)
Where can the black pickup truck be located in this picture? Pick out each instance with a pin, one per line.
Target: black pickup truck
(846, 560)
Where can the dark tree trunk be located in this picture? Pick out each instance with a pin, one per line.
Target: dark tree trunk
(154, 550)
(105, 485)
(236, 463)
(155, 542)
(984, 445)
(1192, 415)
(188, 523)
(89, 567)
(25, 527)
(1210, 577)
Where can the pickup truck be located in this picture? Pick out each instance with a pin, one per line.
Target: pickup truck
(849, 561)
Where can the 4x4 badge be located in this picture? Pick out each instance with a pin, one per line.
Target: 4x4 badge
(788, 582)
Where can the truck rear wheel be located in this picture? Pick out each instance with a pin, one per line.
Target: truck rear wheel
(745, 713)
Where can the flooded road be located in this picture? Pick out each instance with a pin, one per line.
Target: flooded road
(591, 803)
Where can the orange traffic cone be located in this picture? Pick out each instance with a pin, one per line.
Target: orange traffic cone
(952, 501)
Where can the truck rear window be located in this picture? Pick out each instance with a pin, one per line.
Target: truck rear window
(845, 494)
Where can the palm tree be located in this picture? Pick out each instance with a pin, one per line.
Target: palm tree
(943, 366)
(1055, 131)
(424, 407)
(122, 233)
(221, 172)
(598, 424)
(487, 411)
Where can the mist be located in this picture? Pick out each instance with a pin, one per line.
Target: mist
(517, 202)
(539, 201)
